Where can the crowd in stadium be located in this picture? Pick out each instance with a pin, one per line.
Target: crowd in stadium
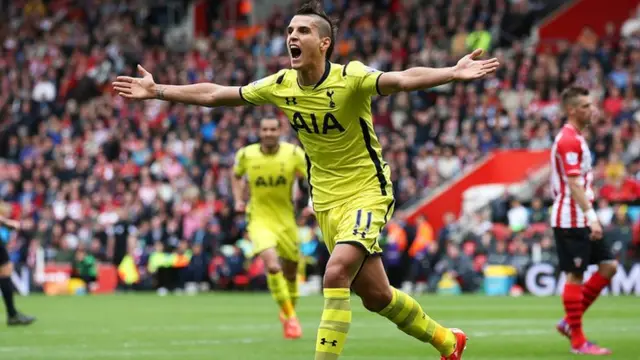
(86, 170)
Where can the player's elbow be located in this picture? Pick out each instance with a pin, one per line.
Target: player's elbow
(394, 82)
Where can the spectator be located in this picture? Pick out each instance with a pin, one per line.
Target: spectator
(619, 187)
(605, 212)
(449, 165)
(632, 25)
(500, 208)
(480, 38)
(450, 231)
(85, 268)
(424, 237)
(521, 258)
(620, 235)
(538, 214)
(500, 256)
(518, 216)
(423, 267)
(460, 267)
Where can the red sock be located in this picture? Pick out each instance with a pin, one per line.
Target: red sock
(592, 288)
(574, 308)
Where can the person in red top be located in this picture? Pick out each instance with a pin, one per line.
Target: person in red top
(620, 187)
(576, 228)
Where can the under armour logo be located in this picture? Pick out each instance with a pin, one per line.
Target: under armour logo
(356, 228)
(291, 101)
(330, 95)
(324, 341)
(362, 234)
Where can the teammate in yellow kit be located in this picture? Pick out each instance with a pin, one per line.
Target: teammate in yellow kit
(270, 168)
(329, 106)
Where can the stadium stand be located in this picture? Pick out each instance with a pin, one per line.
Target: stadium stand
(145, 187)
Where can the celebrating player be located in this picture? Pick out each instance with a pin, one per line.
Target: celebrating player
(6, 268)
(577, 231)
(271, 168)
(329, 106)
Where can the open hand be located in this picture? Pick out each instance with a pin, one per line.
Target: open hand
(139, 88)
(596, 230)
(470, 68)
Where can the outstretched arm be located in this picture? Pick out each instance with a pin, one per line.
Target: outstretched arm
(203, 94)
(418, 78)
(14, 224)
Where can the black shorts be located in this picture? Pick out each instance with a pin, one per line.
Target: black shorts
(576, 250)
(4, 255)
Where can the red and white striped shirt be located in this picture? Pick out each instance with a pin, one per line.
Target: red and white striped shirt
(570, 156)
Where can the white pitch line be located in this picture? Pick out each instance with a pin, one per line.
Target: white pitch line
(548, 323)
(139, 347)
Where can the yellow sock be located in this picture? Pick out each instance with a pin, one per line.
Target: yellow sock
(294, 293)
(334, 325)
(280, 293)
(406, 313)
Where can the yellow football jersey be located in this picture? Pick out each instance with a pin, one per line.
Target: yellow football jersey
(334, 124)
(270, 178)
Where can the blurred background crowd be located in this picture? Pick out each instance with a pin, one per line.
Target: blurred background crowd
(95, 177)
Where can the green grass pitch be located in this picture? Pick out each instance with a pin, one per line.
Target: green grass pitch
(245, 326)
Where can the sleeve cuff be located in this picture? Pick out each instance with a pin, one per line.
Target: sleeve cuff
(243, 98)
(378, 85)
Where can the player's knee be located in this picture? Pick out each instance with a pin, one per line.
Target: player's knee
(271, 262)
(273, 267)
(609, 269)
(6, 269)
(574, 278)
(336, 275)
(290, 275)
(375, 300)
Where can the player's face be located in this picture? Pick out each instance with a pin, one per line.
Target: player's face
(304, 42)
(269, 132)
(582, 110)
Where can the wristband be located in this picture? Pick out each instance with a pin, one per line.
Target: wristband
(592, 216)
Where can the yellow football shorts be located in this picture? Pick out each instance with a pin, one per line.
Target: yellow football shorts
(284, 240)
(359, 221)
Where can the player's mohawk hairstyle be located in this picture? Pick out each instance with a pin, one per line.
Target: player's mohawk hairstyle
(572, 92)
(327, 27)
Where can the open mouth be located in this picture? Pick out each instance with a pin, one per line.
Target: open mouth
(295, 51)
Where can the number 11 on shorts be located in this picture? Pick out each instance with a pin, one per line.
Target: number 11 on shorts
(357, 227)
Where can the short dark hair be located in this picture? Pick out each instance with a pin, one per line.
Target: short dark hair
(569, 94)
(327, 28)
(270, 117)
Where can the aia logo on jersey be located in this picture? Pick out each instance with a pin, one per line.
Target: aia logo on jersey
(325, 125)
(271, 181)
(572, 158)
